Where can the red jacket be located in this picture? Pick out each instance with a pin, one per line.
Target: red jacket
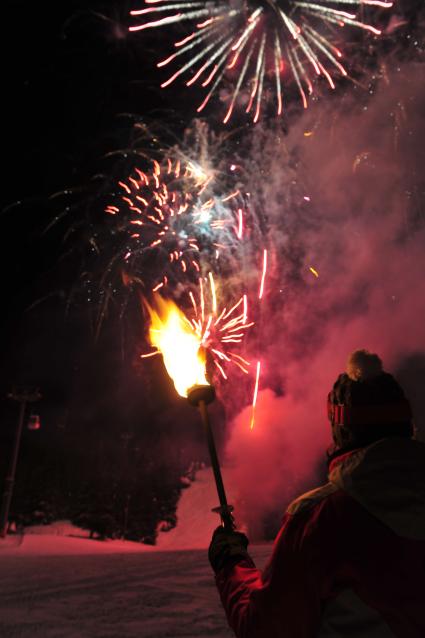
(349, 560)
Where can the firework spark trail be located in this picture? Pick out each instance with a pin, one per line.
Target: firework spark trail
(254, 398)
(263, 274)
(270, 35)
(219, 331)
(173, 208)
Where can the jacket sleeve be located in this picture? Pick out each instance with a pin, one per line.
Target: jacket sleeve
(285, 601)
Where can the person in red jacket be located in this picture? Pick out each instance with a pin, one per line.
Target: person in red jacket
(349, 560)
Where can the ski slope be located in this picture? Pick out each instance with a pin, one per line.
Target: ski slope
(57, 583)
(195, 519)
(134, 595)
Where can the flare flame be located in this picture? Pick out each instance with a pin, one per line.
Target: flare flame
(181, 350)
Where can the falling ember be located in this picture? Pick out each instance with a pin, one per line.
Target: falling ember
(254, 398)
(314, 271)
(171, 334)
(263, 275)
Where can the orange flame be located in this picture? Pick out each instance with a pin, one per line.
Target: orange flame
(172, 334)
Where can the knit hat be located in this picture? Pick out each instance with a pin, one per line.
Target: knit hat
(367, 404)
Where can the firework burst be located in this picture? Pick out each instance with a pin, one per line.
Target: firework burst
(173, 211)
(220, 329)
(254, 41)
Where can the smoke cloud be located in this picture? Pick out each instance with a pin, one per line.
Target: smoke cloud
(342, 193)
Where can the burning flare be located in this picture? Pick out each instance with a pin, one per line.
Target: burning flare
(171, 333)
(218, 330)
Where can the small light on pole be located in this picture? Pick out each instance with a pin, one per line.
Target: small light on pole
(33, 422)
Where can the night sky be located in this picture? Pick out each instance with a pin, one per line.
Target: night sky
(70, 70)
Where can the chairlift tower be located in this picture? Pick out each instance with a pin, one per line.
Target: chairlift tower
(23, 397)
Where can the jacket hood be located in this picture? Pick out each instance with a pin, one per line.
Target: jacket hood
(388, 479)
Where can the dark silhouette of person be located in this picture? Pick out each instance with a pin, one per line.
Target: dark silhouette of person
(349, 560)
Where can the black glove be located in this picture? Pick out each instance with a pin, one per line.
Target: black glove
(227, 547)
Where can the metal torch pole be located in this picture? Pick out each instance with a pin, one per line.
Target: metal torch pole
(225, 509)
(200, 396)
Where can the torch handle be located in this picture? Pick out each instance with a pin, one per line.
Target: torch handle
(225, 509)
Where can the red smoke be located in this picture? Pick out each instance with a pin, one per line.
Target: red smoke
(362, 229)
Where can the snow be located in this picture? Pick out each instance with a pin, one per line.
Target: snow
(57, 583)
(51, 545)
(195, 520)
(145, 594)
(62, 538)
(195, 524)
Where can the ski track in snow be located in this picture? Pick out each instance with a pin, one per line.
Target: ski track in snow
(144, 595)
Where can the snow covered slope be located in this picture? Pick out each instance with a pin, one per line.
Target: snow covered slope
(63, 539)
(195, 525)
(195, 520)
(54, 585)
(139, 595)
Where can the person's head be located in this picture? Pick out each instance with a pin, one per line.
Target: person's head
(366, 404)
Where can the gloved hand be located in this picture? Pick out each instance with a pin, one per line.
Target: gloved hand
(227, 547)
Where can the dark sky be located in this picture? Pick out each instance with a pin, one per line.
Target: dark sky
(67, 74)
(70, 69)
